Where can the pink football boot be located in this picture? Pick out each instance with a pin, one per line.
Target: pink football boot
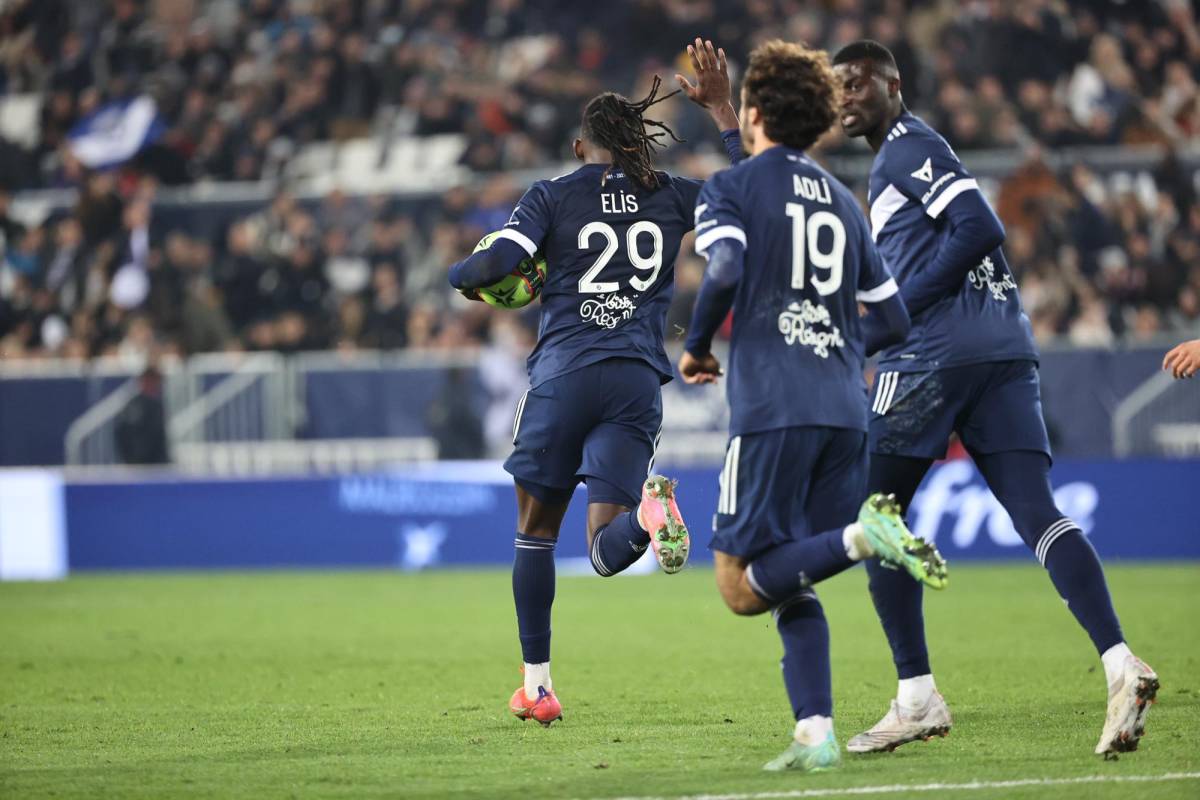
(659, 516)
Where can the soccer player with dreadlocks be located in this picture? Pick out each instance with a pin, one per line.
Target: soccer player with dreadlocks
(610, 232)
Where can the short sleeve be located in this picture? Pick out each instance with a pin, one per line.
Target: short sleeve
(689, 190)
(718, 215)
(926, 170)
(530, 219)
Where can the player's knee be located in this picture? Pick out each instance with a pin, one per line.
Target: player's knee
(742, 600)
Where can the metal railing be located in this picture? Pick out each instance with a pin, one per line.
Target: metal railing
(91, 439)
(250, 413)
(245, 404)
(238, 414)
(1161, 417)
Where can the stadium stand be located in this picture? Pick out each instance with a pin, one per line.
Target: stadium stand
(273, 91)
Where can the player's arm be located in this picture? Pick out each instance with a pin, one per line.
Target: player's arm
(886, 321)
(885, 324)
(975, 231)
(713, 93)
(726, 262)
(721, 239)
(927, 172)
(519, 239)
(487, 266)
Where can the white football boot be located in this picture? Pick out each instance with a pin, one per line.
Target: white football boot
(1129, 701)
(901, 726)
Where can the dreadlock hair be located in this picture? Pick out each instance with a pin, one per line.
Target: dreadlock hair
(795, 91)
(617, 124)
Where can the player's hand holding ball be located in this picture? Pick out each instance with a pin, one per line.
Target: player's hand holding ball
(701, 369)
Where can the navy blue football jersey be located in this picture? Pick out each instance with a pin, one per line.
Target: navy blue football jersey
(796, 354)
(914, 177)
(610, 250)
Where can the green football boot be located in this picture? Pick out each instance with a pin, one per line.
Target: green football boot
(884, 528)
(808, 757)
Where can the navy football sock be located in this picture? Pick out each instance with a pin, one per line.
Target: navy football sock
(533, 593)
(788, 568)
(618, 544)
(1076, 573)
(896, 595)
(805, 634)
(897, 599)
(1021, 482)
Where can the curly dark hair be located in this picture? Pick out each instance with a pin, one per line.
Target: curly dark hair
(795, 91)
(617, 124)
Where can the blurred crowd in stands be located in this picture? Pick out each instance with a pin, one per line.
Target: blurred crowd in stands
(243, 85)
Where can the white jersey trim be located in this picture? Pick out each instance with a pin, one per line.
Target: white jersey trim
(952, 191)
(527, 244)
(881, 292)
(890, 201)
(705, 240)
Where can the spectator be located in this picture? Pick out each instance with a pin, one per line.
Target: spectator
(453, 420)
(141, 429)
(241, 95)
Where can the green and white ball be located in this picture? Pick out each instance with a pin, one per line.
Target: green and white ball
(521, 286)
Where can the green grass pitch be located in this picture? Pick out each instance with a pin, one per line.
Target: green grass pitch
(379, 684)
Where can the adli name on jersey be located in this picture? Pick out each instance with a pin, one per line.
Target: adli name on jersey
(812, 189)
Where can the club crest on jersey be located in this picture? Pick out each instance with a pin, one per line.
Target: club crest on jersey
(984, 276)
(802, 324)
(607, 310)
(925, 173)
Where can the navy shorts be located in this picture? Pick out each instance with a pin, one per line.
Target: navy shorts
(599, 424)
(786, 484)
(994, 408)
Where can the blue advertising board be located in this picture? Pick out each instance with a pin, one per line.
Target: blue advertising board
(464, 515)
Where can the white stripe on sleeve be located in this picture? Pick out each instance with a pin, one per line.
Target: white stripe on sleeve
(881, 292)
(952, 191)
(527, 244)
(705, 240)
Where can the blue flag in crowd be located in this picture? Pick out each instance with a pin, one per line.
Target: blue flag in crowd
(116, 132)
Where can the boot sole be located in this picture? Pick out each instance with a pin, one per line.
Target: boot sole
(671, 542)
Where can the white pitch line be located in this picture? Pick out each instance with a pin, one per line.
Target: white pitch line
(931, 787)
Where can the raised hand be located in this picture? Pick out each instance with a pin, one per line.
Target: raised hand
(711, 88)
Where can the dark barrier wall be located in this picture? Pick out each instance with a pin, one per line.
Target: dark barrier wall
(463, 514)
(1080, 390)
(36, 412)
